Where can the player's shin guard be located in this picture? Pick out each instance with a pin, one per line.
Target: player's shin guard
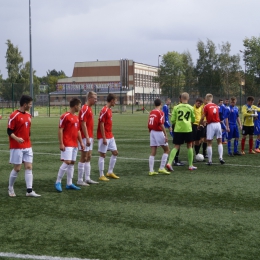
(172, 155)
(28, 179)
(229, 146)
(151, 163)
(163, 160)
(190, 156)
(243, 141)
(251, 141)
(62, 171)
(101, 163)
(209, 151)
(70, 173)
(112, 163)
(80, 171)
(12, 178)
(220, 151)
(235, 146)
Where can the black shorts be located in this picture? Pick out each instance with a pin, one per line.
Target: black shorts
(203, 130)
(181, 138)
(197, 133)
(247, 130)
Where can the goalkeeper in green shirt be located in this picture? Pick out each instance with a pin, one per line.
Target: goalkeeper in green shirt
(182, 117)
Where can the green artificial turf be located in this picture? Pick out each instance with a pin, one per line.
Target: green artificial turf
(211, 213)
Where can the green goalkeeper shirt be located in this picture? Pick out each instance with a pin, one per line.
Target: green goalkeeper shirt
(182, 117)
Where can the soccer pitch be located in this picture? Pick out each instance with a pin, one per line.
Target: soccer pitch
(211, 213)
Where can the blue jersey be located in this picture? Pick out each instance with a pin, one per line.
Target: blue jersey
(166, 116)
(257, 124)
(233, 115)
(227, 111)
(222, 112)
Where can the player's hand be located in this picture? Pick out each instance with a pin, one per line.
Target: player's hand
(82, 146)
(105, 141)
(62, 147)
(87, 141)
(227, 129)
(19, 140)
(166, 139)
(240, 127)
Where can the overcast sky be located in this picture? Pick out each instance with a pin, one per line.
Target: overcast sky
(68, 31)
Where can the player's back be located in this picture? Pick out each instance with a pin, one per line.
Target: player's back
(182, 117)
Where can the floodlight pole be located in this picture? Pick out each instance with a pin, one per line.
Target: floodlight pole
(159, 90)
(245, 73)
(31, 69)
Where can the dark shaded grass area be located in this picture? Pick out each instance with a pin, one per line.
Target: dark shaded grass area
(212, 213)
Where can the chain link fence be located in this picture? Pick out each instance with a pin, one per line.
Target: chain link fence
(54, 103)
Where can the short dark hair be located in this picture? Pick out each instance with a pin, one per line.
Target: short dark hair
(111, 97)
(199, 100)
(250, 98)
(74, 102)
(157, 102)
(232, 99)
(220, 100)
(25, 100)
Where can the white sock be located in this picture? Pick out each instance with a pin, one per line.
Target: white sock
(87, 171)
(28, 179)
(220, 151)
(101, 163)
(112, 163)
(163, 160)
(12, 178)
(70, 172)
(151, 163)
(80, 171)
(62, 171)
(209, 151)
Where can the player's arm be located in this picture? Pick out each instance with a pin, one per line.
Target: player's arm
(165, 134)
(239, 122)
(85, 131)
(10, 132)
(60, 137)
(246, 112)
(173, 116)
(80, 141)
(102, 130)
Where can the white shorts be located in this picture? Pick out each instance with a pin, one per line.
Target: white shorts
(70, 154)
(18, 156)
(214, 129)
(111, 145)
(87, 148)
(157, 138)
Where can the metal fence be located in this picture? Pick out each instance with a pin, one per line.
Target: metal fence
(54, 103)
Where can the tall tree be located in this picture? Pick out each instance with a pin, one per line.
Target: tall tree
(229, 70)
(171, 75)
(14, 61)
(252, 62)
(206, 67)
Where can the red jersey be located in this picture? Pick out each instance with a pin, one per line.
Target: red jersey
(86, 114)
(20, 123)
(70, 125)
(211, 112)
(156, 119)
(105, 116)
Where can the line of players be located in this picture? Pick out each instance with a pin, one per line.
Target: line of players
(224, 115)
(74, 132)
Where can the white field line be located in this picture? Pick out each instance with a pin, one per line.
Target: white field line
(44, 257)
(140, 159)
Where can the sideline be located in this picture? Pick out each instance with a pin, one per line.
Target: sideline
(44, 257)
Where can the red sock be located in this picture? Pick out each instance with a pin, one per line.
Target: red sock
(243, 144)
(251, 144)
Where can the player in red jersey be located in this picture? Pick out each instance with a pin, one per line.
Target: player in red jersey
(158, 137)
(69, 135)
(86, 119)
(18, 129)
(106, 140)
(211, 112)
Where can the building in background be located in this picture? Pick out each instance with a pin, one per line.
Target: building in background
(132, 82)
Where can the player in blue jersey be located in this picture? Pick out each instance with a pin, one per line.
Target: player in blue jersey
(166, 112)
(233, 119)
(257, 130)
(223, 116)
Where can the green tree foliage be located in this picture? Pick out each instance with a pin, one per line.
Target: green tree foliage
(171, 76)
(229, 70)
(252, 61)
(14, 61)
